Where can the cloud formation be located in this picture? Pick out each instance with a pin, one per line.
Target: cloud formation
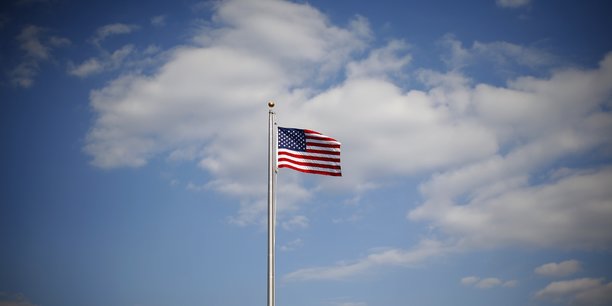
(206, 96)
(292, 245)
(487, 283)
(296, 222)
(37, 46)
(578, 292)
(503, 56)
(159, 20)
(126, 57)
(497, 200)
(563, 268)
(108, 61)
(113, 29)
(426, 249)
(503, 162)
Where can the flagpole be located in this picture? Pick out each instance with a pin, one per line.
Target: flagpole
(271, 204)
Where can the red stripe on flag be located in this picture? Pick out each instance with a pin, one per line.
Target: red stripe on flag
(321, 158)
(309, 150)
(311, 171)
(307, 164)
(323, 145)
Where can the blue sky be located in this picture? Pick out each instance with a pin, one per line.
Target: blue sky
(476, 152)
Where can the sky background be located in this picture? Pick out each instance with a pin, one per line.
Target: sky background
(476, 152)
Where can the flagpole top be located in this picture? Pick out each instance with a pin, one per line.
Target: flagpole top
(271, 104)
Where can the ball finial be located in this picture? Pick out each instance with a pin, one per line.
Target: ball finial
(270, 104)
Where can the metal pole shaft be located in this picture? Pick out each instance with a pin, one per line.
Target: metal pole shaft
(271, 205)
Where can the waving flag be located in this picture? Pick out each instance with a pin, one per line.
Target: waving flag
(308, 151)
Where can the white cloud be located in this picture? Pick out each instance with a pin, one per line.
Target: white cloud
(30, 42)
(469, 280)
(512, 3)
(297, 222)
(202, 6)
(487, 145)
(106, 62)
(127, 57)
(537, 121)
(438, 137)
(158, 21)
(88, 67)
(292, 245)
(503, 56)
(426, 249)
(503, 53)
(23, 75)
(113, 29)
(578, 292)
(381, 62)
(37, 46)
(457, 56)
(206, 96)
(570, 212)
(209, 94)
(563, 268)
(510, 284)
(487, 283)
(235, 75)
(151, 49)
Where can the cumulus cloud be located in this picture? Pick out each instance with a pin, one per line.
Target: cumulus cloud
(381, 62)
(498, 152)
(206, 98)
(563, 268)
(426, 249)
(487, 283)
(578, 292)
(510, 213)
(537, 121)
(237, 65)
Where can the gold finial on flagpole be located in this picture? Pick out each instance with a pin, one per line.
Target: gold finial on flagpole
(271, 104)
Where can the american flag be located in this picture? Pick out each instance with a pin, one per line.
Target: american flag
(308, 151)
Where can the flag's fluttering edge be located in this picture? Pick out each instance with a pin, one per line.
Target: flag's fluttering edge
(308, 151)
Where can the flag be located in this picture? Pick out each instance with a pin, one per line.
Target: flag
(308, 151)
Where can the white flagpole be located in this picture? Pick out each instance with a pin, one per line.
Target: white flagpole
(271, 203)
